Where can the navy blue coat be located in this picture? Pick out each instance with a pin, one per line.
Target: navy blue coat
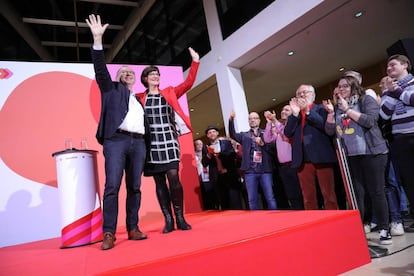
(114, 100)
(316, 143)
(245, 139)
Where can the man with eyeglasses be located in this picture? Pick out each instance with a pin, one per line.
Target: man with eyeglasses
(256, 161)
(312, 149)
(121, 131)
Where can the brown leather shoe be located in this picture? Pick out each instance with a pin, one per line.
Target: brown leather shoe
(136, 235)
(108, 241)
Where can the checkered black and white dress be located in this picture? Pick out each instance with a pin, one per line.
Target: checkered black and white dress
(165, 149)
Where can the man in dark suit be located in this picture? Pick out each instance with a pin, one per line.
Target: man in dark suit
(121, 131)
(312, 149)
(221, 157)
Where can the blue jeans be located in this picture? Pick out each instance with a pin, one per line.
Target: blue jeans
(403, 200)
(122, 152)
(252, 185)
(395, 181)
(392, 191)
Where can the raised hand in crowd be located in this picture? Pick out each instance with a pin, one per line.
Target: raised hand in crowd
(232, 115)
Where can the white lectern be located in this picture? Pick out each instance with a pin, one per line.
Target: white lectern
(77, 180)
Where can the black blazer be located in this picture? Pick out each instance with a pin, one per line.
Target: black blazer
(114, 100)
(227, 156)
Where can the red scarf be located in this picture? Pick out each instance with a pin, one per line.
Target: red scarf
(303, 115)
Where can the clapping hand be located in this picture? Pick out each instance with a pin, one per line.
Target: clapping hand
(391, 84)
(211, 151)
(270, 116)
(328, 106)
(303, 103)
(295, 107)
(342, 103)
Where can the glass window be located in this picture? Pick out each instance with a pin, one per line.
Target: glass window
(233, 14)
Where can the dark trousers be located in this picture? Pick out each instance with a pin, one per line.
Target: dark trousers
(403, 155)
(291, 186)
(122, 153)
(368, 177)
(209, 196)
(230, 191)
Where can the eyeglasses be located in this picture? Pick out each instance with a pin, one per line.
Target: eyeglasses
(154, 74)
(305, 92)
(127, 72)
(254, 118)
(344, 86)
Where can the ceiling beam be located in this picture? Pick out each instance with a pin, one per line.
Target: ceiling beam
(25, 32)
(64, 23)
(70, 44)
(131, 23)
(114, 2)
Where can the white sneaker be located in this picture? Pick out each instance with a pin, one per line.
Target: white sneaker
(396, 229)
(385, 237)
(367, 228)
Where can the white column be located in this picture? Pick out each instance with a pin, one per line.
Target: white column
(229, 79)
(232, 97)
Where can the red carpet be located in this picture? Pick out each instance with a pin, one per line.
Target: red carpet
(221, 243)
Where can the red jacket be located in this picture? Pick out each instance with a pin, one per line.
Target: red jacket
(172, 94)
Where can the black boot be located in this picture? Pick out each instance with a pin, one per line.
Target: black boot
(163, 197)
(177, 200)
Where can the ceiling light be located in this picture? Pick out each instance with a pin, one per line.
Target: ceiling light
(191, 109)
(291, 53)
(274, 99)
(358, 14)
(341, 69)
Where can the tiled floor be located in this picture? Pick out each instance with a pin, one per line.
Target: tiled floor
(399, 261)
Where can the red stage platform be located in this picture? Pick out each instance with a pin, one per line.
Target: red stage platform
(221, 243)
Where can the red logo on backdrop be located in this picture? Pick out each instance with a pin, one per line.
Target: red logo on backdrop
(5, 73)
(51, 111)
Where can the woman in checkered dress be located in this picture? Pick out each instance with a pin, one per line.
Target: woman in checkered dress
(163, 112)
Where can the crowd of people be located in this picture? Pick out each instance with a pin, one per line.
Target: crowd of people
(376, 131)
(139, 134)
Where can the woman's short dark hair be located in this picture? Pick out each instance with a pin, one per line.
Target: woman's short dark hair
(145, 73)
